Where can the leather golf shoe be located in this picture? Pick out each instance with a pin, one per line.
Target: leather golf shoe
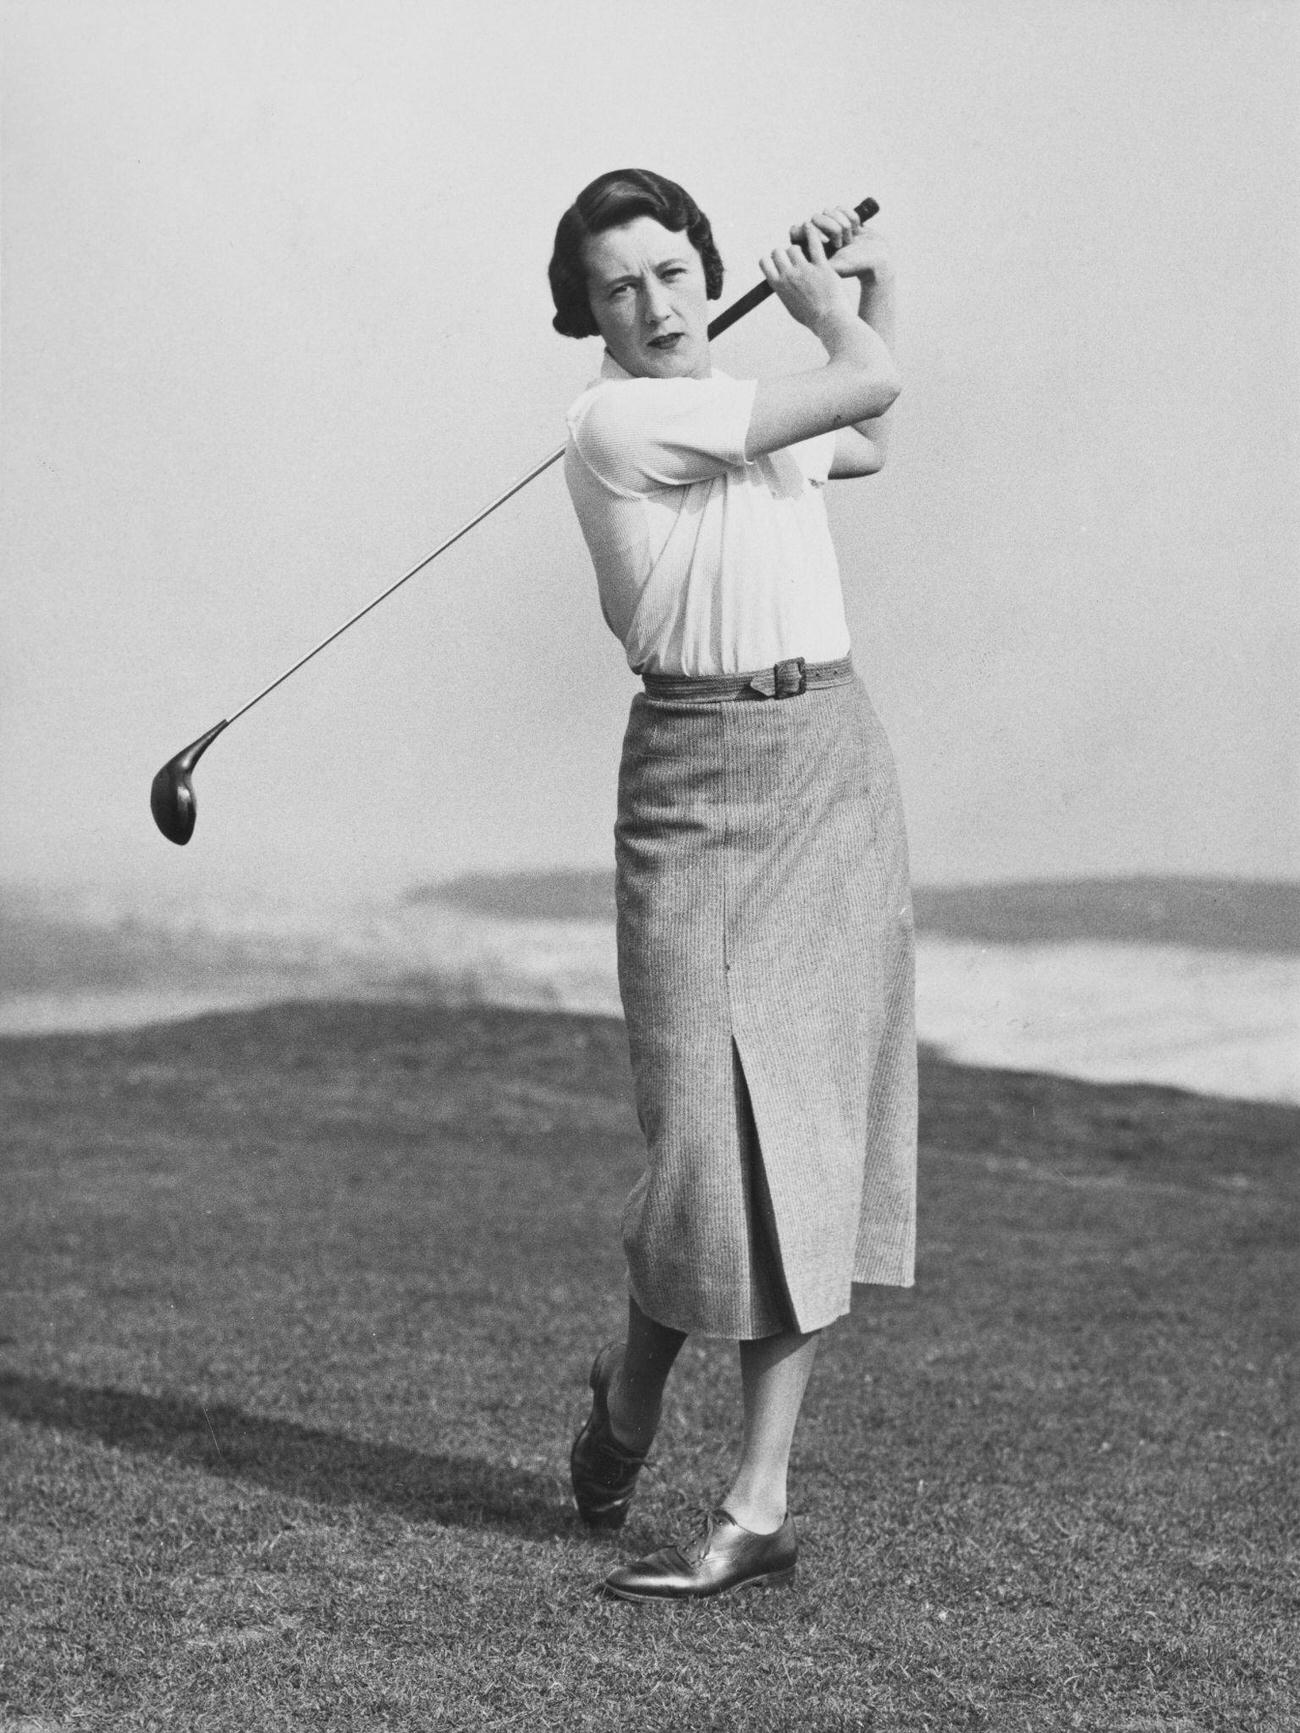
(724, 1556)
(602, 1470)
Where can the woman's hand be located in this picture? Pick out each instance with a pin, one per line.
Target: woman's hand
(858, 383)
(806, 283)
(855, 248)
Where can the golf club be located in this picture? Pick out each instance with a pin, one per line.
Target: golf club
(171, 795)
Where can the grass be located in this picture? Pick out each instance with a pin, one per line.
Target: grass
(298, 1307)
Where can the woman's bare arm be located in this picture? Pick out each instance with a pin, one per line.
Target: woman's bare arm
(862, 448)
(858, 381)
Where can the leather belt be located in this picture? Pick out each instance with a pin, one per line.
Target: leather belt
(788, 679)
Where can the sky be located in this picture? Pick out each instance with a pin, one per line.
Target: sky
(276, 322)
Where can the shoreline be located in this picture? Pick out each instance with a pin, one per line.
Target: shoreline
(1217, 1023)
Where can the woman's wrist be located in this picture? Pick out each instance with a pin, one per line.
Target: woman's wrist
(877, 286)
(876, 306)
(840, 333)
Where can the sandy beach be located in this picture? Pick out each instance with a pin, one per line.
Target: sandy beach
(1218, 1011)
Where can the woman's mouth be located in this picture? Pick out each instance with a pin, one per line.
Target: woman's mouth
(668, 341)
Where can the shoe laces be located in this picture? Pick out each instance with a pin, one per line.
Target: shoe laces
(705, 1520)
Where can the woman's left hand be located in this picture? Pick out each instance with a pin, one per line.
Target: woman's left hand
(855, 249)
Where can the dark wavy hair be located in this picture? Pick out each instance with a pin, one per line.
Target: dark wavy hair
(610, 201)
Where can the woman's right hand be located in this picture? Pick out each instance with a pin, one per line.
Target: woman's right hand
(858, 382)
(858, 250)
(806, 283)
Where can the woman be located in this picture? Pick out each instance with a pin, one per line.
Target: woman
(764, 920)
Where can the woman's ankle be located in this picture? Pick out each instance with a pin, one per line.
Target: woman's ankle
(633, 1426)
(760, 1512)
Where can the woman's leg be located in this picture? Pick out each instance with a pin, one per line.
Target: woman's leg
(774, 1373)
(762, 1548)
(636, 1389)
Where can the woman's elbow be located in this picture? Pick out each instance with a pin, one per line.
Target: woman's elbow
(857, 453)
(869, 400)
(874, 461)
(885, 389)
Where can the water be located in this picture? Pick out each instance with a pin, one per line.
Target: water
(1219, 1021)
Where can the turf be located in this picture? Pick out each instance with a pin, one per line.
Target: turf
(297, 1311)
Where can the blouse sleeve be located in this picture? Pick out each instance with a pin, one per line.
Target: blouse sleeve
(815, 457)
(639, 435)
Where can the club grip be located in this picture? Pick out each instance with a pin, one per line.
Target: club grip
(760, 292)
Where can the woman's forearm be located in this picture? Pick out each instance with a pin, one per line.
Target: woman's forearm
(857, 379)
(876, 308)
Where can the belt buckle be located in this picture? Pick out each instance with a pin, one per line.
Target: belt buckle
(790, 678)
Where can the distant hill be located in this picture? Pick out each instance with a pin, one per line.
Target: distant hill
(1209, 913)
(566, 894)
(47, 948)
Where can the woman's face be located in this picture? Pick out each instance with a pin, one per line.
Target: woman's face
(646, 287)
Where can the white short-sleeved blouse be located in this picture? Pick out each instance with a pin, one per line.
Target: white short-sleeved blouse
(706, 564)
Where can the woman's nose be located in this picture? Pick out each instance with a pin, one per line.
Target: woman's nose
(656, 302)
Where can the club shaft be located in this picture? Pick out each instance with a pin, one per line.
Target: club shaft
(428, 559)
(738, 309)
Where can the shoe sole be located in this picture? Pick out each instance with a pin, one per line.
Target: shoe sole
(771, 1580)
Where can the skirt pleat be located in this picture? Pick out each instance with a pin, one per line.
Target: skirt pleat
(766, 967)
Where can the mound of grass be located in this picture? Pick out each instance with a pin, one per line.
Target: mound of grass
(298, 1307)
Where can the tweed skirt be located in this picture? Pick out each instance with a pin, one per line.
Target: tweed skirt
(765, 957)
